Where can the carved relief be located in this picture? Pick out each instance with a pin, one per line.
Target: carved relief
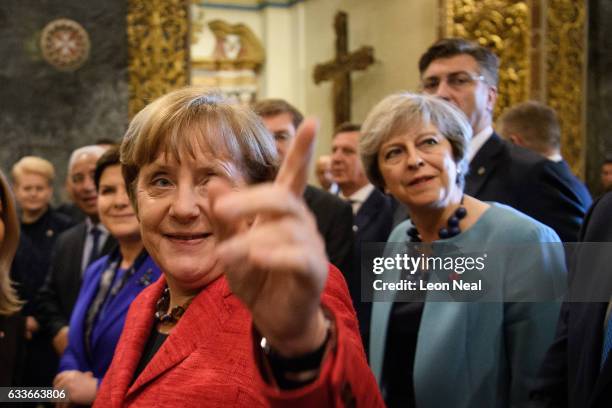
(64, 44)
(504, 27)
(157, 49)
(565, 64)
(233, 65)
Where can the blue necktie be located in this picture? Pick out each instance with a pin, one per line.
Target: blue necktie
(607, 343)
(93, 254)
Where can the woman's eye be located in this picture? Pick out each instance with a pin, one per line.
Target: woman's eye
(107, 190)
(391, 153)
(161, 182)
(429, 141)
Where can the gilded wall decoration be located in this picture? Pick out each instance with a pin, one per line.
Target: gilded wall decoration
(504, 27)
(565, 66)
(233, 65)
(158, 51)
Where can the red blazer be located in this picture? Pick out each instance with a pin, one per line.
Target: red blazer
(209, 358)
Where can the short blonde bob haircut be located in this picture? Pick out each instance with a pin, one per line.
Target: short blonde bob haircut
(405, 112)
(9, 303)
(33, 165)
(189, 120)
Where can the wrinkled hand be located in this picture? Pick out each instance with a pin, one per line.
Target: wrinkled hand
(31, 327)
(60, 341)
(272, 254)
(80, 387)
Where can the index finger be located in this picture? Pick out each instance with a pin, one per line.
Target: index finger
(216, 189)
(293, 173)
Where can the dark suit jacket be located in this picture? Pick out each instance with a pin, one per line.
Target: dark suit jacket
(57, 296)
(335, 223)
(530, 183)
(570, 375)
(575, 184)
(373, 223)
(374, 220)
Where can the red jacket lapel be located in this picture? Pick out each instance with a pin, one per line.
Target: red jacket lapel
(203, 319)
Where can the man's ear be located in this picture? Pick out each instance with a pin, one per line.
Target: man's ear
(517, 140)
(491, 98)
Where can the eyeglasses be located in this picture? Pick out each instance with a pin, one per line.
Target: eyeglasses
(455, 80)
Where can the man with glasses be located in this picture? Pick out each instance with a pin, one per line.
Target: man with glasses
(466, 75)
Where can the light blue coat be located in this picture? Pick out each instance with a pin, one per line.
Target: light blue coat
(484, 354)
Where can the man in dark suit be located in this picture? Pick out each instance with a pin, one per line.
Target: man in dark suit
(466, 74)
(374, 211)
(73, 251)
(574, 373)
(334, 217)
(535, 126)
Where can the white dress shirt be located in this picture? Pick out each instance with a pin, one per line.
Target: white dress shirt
(358, 197)
(478, 141)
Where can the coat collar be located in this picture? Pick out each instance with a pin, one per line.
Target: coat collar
(207, 315)
(483, 164)
(370, 208)
(146, 273)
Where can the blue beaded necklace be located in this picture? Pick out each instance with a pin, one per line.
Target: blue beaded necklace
(451, 229)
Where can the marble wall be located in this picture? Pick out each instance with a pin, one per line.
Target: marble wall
(48, 112)
(599, 90)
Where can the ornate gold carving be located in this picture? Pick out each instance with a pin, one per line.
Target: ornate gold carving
(504, 27)
(237, 48)
(158, 49)
(565, 63)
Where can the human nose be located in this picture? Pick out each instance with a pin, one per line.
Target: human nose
(122, 200)
(89, 184)
(335, 157)
(414, 159)
(443, 90)
(185, 206)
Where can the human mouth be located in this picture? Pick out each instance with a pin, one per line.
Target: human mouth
(420, 180)
(188, 238)
(91, 200)
(122, 216)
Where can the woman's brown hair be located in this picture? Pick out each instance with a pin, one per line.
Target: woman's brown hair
(9, 302)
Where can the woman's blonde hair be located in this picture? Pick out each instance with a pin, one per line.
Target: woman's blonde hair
(35, 165)
(189, 119)
(402, 112)
(9, 302)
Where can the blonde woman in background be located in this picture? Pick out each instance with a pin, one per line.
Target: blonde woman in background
(12, 324)
(40, 225)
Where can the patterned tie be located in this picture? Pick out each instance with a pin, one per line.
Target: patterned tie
(607, 343)
(93, 254)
